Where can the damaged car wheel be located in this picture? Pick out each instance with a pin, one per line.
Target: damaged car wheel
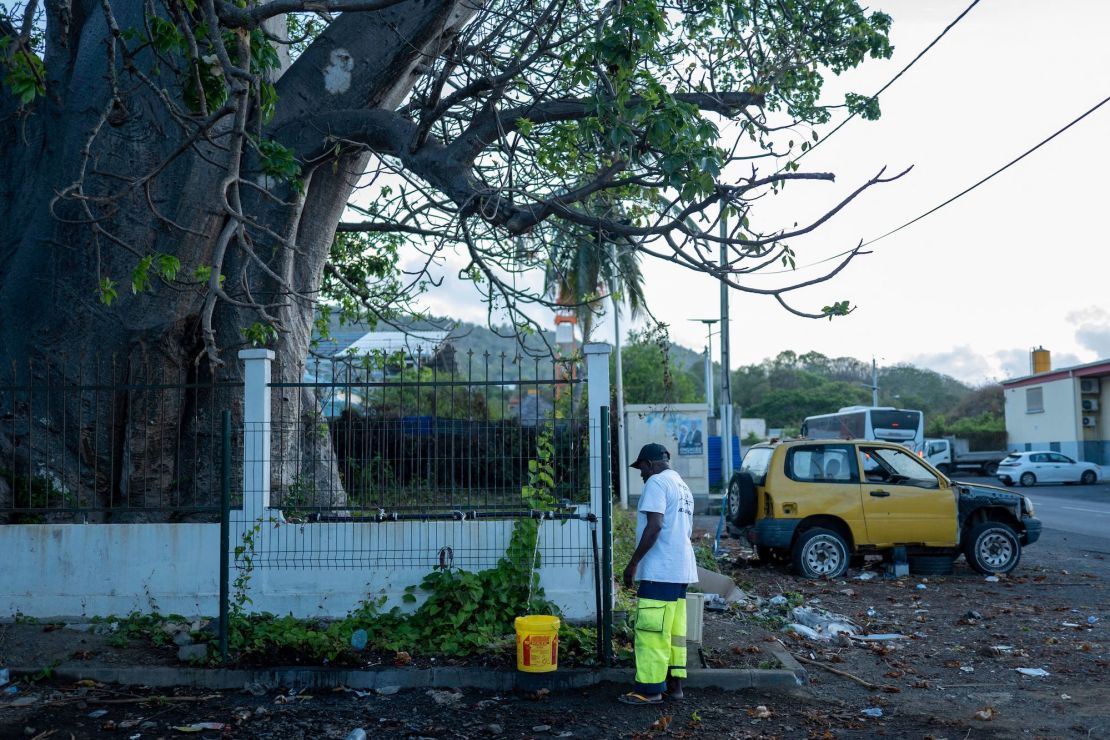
(820, 553)
(992, 547)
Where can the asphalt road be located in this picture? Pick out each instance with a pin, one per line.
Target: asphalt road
(1073, 509)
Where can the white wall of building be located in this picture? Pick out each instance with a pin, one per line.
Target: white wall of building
(1055, 423)
(309, 570)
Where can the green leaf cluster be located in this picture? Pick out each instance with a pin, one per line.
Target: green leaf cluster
(23, 70)
(280, 163)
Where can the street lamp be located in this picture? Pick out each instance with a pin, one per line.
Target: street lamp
(708, 360)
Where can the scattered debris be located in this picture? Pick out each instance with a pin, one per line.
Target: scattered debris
(387, 690)
(1035, 672)
(200, 727)
(359, 639)
(867, 575)
(401, 658)
(779, 600)
(824, 622)
(357, 734)
(715, 603)
(874, 712)
(541, 728)
(991, 579)
(444, 698)
(807, 632)
(921, 587)
(986, 714)
(1000, 650)
(97, 713)
(972, 614)
(712, 583)
(837, 671)
(254, 688)
(760, 712)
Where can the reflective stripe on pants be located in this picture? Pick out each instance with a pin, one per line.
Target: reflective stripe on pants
(660, 643)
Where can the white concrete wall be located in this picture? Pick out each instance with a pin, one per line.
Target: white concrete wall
(1057, 423)
(309, 570)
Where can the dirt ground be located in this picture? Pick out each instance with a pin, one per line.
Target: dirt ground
(954, 676)
(967, 638)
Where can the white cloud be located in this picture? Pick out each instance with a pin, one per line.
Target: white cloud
(977, 368)
(962, 363)
(1092, 330)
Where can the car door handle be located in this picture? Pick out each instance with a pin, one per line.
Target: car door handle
(880, 494)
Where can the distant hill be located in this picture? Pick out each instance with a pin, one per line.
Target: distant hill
(783, 389)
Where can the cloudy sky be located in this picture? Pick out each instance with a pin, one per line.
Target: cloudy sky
(1022, 261)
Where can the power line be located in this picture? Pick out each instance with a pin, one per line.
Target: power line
(999, 171)
(893, 79)
(955, 197)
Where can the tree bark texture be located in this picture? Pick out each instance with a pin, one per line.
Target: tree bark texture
(53, 325)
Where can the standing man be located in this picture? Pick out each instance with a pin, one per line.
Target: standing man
(664, 565)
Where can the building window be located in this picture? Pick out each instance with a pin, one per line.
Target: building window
(1034, 400)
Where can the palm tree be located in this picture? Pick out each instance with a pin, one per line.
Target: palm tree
(584, 266)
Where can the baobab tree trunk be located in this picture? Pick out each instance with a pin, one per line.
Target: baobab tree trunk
(95, 180)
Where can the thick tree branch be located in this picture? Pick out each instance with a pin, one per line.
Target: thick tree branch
(487, 126)
(254, 16)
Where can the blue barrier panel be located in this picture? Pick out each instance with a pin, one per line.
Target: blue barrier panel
(715, 458)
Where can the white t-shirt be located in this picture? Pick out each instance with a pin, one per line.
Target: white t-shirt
(671, 558)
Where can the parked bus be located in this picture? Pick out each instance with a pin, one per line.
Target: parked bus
(870, 422)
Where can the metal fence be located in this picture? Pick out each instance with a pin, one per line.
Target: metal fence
(394, 466)
(110, 439)
(409, 437)
(434, 445)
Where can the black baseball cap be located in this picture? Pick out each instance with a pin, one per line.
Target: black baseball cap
(651, 453)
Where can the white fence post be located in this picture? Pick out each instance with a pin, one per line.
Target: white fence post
(597, 388)
(256, 433)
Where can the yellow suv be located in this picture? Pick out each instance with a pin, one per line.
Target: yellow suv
(823, 502)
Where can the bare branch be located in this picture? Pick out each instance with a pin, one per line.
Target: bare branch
(380, 227)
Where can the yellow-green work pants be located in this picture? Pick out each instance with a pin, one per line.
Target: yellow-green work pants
(660, 635)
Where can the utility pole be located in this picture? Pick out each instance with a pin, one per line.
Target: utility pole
(874, 383)
(622, 444)
(708, 361)
(726, 386)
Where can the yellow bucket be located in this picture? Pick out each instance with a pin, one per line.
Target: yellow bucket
(537, 643)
